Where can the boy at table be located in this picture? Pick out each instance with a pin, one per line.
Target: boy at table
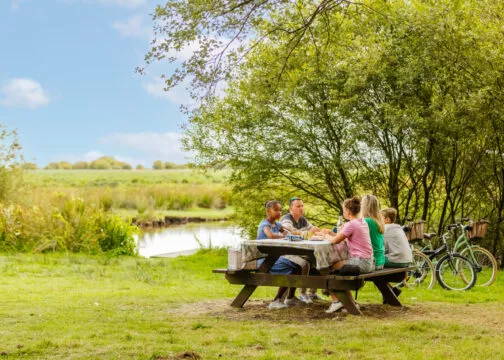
(295, 223)
(270, 228)
(397, 248)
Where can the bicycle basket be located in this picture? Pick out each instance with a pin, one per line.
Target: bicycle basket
(417, 231)
(479, 229)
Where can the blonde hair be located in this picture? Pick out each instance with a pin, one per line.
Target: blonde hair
(370, 208)
(390, 213)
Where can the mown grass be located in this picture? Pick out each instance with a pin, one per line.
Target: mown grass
(76, 306)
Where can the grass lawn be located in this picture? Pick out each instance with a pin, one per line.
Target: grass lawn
(73, 306)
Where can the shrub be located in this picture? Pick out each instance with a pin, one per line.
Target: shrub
(100, 165)
(158, 165)
(29, 166)
(52, 166)
(80, 165)
(65, 165)
(116, 236)
(205, 201)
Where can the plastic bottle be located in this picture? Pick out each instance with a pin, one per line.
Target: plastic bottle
(338, 225)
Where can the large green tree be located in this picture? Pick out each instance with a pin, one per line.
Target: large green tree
(326, 99)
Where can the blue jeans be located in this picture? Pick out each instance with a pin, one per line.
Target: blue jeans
(282, 267)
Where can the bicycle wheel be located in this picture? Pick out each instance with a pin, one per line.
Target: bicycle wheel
(424, 276)
(484, 263)
(455, 272)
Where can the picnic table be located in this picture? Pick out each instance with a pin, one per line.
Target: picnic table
(320, 254)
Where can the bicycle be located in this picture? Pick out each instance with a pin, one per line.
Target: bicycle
(484, 262)
(453, 271)
(424, 276)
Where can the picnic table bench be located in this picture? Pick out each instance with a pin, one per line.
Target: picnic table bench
(339, 284)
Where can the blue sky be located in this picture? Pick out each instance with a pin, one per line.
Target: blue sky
(67, 82)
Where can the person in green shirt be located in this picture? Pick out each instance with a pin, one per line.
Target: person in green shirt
(370, 211)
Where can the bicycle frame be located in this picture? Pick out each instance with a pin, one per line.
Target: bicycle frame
(463, 242)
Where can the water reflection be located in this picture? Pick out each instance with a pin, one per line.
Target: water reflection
(184, 239)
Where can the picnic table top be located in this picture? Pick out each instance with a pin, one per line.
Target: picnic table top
(321, 250)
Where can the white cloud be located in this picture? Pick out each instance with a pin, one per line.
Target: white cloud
(25, 93)
(134, 27)
(154, 146)
(16, 4)
(178, 95)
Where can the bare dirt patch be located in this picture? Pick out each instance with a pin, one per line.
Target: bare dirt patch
(489, 315)
(190, 355)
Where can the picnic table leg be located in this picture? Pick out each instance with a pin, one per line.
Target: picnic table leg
(388, 295)
(243, 296)
(348, 302)
(248, 290)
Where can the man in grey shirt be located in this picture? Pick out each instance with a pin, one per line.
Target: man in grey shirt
(295, 223)
(397, 248)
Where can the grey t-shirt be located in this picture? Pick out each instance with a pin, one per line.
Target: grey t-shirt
(397, 247)
(290, 224)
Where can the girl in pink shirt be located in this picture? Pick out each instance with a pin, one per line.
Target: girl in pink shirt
(356, 234)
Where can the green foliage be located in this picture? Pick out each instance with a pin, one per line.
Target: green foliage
(169, 165)
(29, 166)
(108, 162)
(64, 223)
(11, 173)
(52, 166)
(65, 165)
(80, 165)
(400, 99)
(139, 167)
(116, 236)
(158, 165)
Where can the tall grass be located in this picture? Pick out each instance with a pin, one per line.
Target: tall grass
(143, 191)
(64, 224)
(90, 211)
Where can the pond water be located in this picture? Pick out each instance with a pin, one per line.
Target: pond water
(186, 239)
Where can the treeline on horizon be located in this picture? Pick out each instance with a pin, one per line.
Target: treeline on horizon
(103, 163)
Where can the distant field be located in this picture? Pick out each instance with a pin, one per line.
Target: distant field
(113, 178)
(135, 193)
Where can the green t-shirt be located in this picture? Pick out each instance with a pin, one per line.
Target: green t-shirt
(376, 242)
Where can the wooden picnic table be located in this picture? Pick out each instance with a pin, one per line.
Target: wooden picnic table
(340, 285)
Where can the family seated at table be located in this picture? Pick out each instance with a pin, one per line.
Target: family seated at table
(368, 244)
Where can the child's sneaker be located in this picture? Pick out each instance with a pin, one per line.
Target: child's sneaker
(315, 296)
(277, 304)
(344, 311)
(335, 306)
(305, 298)
(292, 301)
